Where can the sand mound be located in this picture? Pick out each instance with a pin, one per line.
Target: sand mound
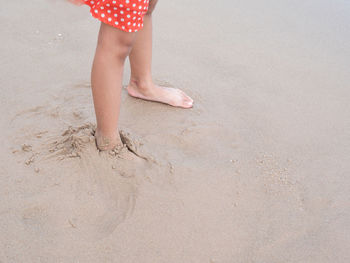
(105, 183)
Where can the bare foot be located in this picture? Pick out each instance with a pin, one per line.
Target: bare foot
(105, 143)
(172, 96)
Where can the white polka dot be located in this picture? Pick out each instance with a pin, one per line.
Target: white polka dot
(102, 15)
(116, 22)
(109, 11)
(133, 5)
(122, 12)
(109, 19)
(128, 16)
(115, 15)
(129, 23)
(96, 11)
(121, 5)
(130, 30)
(123, 27)
(122, 19)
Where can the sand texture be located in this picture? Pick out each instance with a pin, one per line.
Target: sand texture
(257, 171)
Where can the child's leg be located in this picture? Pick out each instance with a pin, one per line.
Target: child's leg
(141, 84)
(113, 47)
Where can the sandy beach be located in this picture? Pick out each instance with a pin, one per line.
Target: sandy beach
(257, 171)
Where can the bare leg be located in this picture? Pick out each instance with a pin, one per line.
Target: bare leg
(113, 47)
(141, 84)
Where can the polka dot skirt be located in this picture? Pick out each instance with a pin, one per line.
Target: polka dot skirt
(126, 15)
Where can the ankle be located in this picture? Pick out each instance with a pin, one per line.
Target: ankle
(144, 84)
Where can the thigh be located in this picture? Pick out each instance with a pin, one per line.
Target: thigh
(152, 4)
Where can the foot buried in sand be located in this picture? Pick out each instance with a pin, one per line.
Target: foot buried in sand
(105, 143)
(171, 96)
(84, 140)
(121, 145)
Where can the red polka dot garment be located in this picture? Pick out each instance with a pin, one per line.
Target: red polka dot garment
(126, 15)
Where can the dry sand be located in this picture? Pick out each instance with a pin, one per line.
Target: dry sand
(256, 171)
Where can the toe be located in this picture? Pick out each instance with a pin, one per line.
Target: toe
(187, 98)
(187, 104)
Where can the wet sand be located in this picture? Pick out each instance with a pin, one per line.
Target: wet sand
(256, 171)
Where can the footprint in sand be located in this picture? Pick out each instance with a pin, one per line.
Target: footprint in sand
(35, 218)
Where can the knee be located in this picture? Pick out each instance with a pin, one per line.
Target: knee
(117, 49)
(117, 45)
(121, 48)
